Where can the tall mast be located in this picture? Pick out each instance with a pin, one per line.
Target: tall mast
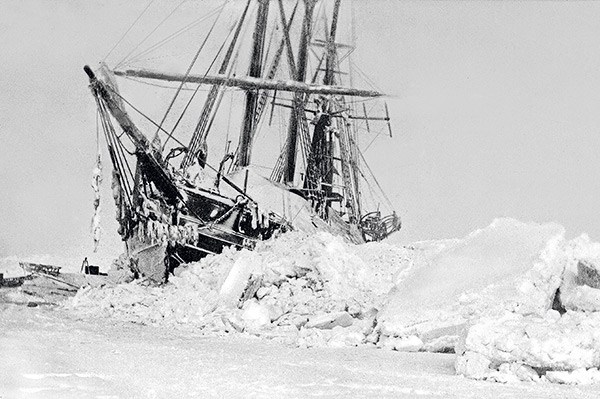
(320, 166)
(330, 62)
(331, 50)
(255, 71)
(309, 6)
(346, 143)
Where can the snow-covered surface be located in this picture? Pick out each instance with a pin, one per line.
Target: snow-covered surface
(311, 290)
(575, 293)
(9, 265)
(51, 353)
(570, 342)
(516, 301)
(507, 265)
(560, 343)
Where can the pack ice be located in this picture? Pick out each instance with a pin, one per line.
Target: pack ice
(507, 266)
(515, 301)
(307, 290)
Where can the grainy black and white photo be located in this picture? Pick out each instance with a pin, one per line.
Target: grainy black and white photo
(299, 198)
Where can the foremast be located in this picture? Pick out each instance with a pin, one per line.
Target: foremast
(297, 115)
(256, 66)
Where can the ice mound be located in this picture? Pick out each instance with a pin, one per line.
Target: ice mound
(560, 345)
(507, 266)
(580, 289)
(526, 347)
(310, 290)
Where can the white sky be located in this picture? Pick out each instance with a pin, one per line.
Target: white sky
(495, 112)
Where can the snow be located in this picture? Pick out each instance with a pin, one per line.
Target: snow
(511, 302)
(9, 265)
(295, 283)
(507, 265)
(554, 342)
(53, 353)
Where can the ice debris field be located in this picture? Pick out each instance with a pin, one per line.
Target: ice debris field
(515, 301)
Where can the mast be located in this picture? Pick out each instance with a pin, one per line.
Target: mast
(255, 71)
(331, 49)
(107, 90)
(148, 155)
(319, 170)
(309, 6)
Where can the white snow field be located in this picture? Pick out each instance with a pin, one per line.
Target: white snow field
(50, 353)
(311, 315)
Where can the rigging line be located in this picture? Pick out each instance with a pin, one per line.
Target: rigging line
(144, 115)
(228, 123)
(363, 122)
(343, 57)
(97, 131)
(172, 36)
(196, 91)
(124, 161)
(217, 91)
(183, 81)
(121, 149)
(116, 162)
(117, 145)
(128, 30)
(374, 138)
(233, 65)
(367, 79)
(176, 34)
(151, 32)
(119, 136)
(375, 179)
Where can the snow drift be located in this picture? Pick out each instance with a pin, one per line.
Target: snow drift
(515, 301)
(307, 290)
(560, 343)
(508, 265)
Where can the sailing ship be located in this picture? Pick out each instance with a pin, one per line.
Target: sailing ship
(176, 205)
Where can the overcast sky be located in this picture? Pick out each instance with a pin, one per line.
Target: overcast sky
(495, 107)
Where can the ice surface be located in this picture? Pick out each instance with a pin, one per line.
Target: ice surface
(565, 343)
(488, 296)
(53, 353)
(9, 265)
(559, 345)
(310, 290)
(576, 292)
(507, 265)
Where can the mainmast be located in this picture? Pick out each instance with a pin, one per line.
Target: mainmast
(319, 182)
(300, 76)
(245, 149)
(331, 49)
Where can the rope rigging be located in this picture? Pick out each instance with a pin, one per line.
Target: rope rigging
(150, 34)
(215, 95)
(187, 74)
(128, 30)
(170, 135)
(188, 27)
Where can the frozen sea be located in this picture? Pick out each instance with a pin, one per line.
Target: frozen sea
(50, 353)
